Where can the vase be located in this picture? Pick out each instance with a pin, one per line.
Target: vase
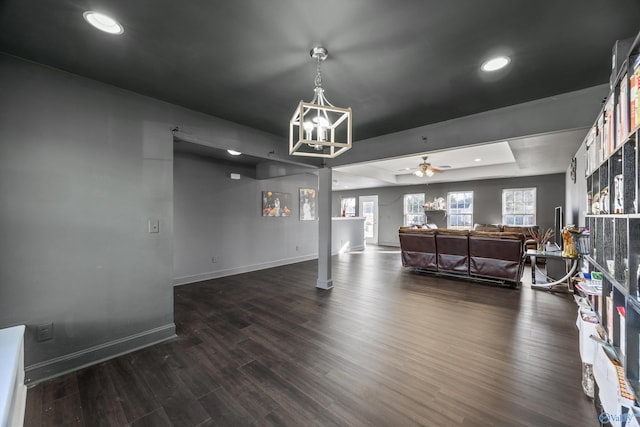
(541, 247)
(568, 246)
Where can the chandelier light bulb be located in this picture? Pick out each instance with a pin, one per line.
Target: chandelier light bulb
(322, 133)
(321, 121)
(308, 129)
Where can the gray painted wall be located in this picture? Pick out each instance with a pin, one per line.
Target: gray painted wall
(215, 216)
(576, 194)
(81, 172)
(487, 201)
(83, 166)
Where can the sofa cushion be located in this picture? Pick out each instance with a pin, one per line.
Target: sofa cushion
(453, 232)
(502, 235)
(410, 230)
(496, 255)
(419, 250)
(484, 246)
(488, 227)
(453, 251)
(524, 229)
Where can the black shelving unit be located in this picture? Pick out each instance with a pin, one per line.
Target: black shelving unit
(613, 176)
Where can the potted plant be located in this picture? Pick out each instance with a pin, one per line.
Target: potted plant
(541, 238)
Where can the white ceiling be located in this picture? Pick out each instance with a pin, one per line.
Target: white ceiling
(527, 156)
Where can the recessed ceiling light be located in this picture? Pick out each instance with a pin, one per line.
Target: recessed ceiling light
(234, 152)
(103, 22)
(496, 63)
(477, 160)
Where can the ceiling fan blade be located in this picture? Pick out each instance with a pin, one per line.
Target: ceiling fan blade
(435, 169)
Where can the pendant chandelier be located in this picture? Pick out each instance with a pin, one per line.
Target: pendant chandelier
(317, 128)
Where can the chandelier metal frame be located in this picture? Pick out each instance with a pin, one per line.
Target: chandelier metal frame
(315, 125)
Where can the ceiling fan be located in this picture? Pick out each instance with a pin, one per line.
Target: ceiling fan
(425, 168)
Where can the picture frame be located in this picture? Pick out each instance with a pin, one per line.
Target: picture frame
(276, 203)
(307, 204)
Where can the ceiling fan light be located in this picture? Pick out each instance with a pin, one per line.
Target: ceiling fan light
(419, 173)
(429, 173)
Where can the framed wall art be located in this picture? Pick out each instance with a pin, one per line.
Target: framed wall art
(276, 204)
(307, 204)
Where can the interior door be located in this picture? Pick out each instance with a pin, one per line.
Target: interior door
(369, 210)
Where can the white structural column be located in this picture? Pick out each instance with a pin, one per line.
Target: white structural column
(325, 280)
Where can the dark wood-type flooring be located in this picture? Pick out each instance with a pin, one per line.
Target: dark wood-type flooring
(385, 347)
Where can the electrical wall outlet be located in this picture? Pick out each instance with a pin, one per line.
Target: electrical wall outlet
(214, 259)
(154, 226)
(44, 332)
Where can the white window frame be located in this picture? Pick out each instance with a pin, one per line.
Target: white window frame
(409, 218)
(519, 207)
(451, 214)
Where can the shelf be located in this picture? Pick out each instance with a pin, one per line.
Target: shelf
(628, 216)
(634, 303)
(439, 214)
(620, 286)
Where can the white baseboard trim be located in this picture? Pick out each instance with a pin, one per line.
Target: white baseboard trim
(249, 268)
(350, 249)
(238, 270)
(392, 244)
(42, 371)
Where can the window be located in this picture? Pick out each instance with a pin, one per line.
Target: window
(348, 206)
(460, 210)
(519, 206)
(413, 209)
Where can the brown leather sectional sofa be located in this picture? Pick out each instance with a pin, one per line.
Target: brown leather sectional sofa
(470, 254)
